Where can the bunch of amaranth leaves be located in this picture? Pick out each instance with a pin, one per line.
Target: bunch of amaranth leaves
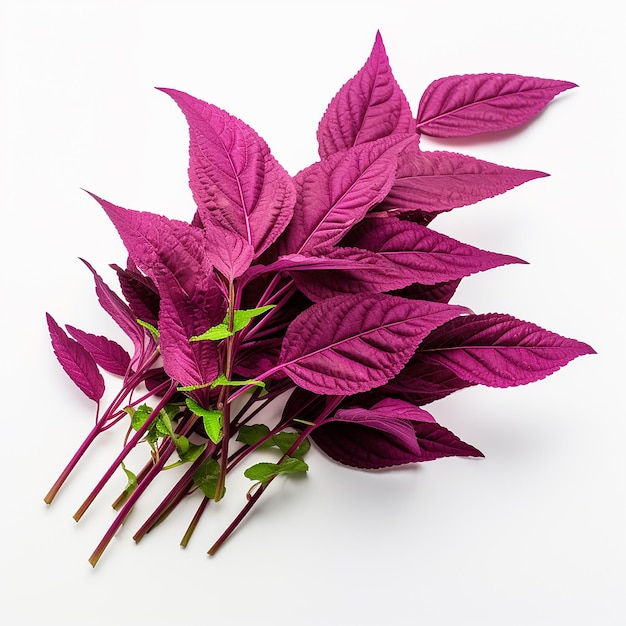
(330, 286)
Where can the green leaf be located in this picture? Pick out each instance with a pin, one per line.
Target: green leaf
(253, 434)
(265, 471)
(212, 419)
(132, 480)
(153, 330)
(242, 317)
(222, 381)
(194, 387)
(193, 452)
(163, 425)
(214, 334)
(284, 441)
(206, 476)
(182, 445)
(139, 416)
(131, 485)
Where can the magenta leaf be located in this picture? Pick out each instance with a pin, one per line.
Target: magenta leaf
(335, 193)
(227, 251)
(422, 255)
(160, 246)
(78, 364)
(234, 179)
(369, 106)
(183, 316)
(253, 360)
(355, 271)
(458, 106)
(140, 293)
(121, 314)
(392, 432)
(433, 182)
(108, 354)
(439, 292)
(499, 350)
(353, 343)
(425, 380)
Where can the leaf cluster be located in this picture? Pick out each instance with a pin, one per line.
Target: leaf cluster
(331, 286)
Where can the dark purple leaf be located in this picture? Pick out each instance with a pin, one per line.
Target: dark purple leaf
(353, 343)
(76, 361)
(234, 179)
(143, 298)
(121, 314)
(258, 357)
(106, 353)
(140, 293)
(422, 255)
(321, 261)
(499, 350)
(335, 193)
(433, 182)
(356, 271)
(458, 106)
(369, 106)
(439, 292)
(392, 432)
(425, 380)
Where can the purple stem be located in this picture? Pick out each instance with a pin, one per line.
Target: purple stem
(125, 451)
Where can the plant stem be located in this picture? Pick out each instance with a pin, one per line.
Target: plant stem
(194, 522)
(125, 510)
(331, 405)
(125, 451)
(95, 431)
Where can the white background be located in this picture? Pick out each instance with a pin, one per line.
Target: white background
(531, 535)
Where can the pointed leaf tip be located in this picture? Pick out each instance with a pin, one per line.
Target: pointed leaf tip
(499, 350)
(458, 106)
(369, 106)
(234, 179)
(78, 364)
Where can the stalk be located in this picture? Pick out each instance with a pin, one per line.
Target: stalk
(123, 454)
(194, 522)
(331, 405)
(95, 431)
(125, 510)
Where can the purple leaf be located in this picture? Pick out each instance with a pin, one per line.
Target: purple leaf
(227, 251)
(140, 293)
(422, 255)
(76, 361)
(335, 193)
(425, 380)
(439, 292)
(320, 261)
(106, 353)
(434, 182)
(369, 106)
(391, 432)
(234, 179)
(499, 350)
(182, 316)
(121, 314)
(458, 106)
(355, 271)
(160, 246)
(353, 343)
(254, 359)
